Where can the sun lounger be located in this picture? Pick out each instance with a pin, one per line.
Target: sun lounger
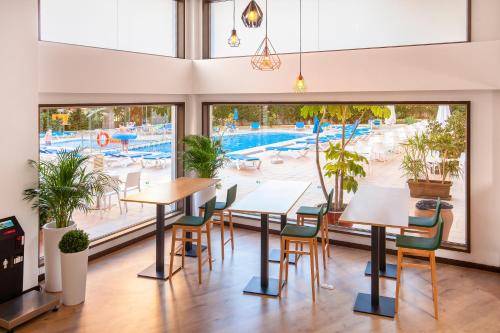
(240, 159)
(300, 150)
(158, 160)
(255, 125)
(300, 126)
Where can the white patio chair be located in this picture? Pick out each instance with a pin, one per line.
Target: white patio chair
(132, 183)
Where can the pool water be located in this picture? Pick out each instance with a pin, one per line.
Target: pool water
(231, 143)
(92, 144)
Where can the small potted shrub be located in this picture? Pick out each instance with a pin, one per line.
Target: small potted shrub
(74, 246)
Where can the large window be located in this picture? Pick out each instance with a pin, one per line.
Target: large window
(135, 144)
(340, 24)
(149, 26)
(414, 141)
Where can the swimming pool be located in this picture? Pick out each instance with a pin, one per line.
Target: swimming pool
(92, 144)
(237, 142)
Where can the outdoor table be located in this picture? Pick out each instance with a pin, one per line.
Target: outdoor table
(271, 198)
(166, 194)
(379, 207)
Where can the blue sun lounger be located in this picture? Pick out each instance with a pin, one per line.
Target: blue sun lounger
(300, 150)
(240, 159)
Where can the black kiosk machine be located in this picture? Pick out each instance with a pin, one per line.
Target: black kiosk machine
(17, 307)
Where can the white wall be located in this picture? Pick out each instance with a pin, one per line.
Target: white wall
(19, 132)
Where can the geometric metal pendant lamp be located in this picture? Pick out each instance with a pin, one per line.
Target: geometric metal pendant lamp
(233, 40)
(252, 15)
(266, 59)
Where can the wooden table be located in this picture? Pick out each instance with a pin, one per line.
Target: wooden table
(379, 207)
(166, 194)
(270, 198)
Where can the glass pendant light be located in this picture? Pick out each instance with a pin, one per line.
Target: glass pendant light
(300, 84)
(266, 59)
(252, 15)
(233, 40)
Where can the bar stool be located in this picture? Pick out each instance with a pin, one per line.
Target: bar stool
(421, 247)
(220, 209)
(305, 212)
(195, 225)
(423, 225)
(300, 235)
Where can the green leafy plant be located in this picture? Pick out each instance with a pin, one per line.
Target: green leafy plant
(65, 185)
(410, 120)
(414, 162)
(203, 155)
(74, 241)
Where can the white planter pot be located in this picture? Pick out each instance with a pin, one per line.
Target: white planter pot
(74, 276)
(52, 256)
(199, 198)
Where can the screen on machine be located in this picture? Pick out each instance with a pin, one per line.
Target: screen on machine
(6, 224)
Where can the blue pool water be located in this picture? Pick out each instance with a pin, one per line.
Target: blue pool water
(236, 142)
(86, 143)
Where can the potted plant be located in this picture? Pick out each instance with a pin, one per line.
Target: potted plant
(449, 142)
(426, 208)
(65, 185)
(74, 247)
(203, 157)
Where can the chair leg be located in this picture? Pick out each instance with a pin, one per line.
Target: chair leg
(231, 230)
(327, 236)
(316, 259)
(172, 253)
(323, 246)
(222, 236)
(183, 251)
(282, 256)
(198, 250)
(398, 277)
(311, 256)
(432, 259)
(209, 245)
(287, 258)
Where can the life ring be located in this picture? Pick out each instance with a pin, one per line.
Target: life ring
(99, 139)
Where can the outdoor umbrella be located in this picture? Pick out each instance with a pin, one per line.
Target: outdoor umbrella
(392, 119)
(443, 114)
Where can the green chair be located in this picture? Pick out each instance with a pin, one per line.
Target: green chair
(421, 247)
(300, 235)
(423, 225)
(220, 209)
(193, 224)
(305, 212)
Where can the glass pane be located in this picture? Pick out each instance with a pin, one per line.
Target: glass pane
(132, 144)
(138, 26)
(340, 24)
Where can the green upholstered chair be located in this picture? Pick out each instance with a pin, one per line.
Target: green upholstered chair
(301, 235)
(220, 210)
(305, 212)
(193, 224)
(423, 225)
(421, 247)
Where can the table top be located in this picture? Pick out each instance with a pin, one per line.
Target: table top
(272, 197)
(378, 206)
(171, 192)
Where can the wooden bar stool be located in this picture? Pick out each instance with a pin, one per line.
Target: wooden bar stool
(421, 247)
(305, 212)
(195, 225)
(423, 225)
(300, 235)
(220, 209)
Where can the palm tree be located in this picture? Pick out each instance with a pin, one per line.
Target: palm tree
(203, 155)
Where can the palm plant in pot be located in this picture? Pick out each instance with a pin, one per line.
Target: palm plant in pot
(74, 247)
(65, 185)
(203, 157)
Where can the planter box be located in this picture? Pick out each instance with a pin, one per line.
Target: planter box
(432, 189)
(74, 276)
(333, 218)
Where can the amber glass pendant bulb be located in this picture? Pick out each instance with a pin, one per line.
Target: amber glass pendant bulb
(300, 84)
(233, 40)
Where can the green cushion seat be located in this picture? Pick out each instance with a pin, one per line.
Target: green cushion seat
(191, 221)
(423, 222)
(292, 230)
(219, 205)
(304, 210)
(418, 243)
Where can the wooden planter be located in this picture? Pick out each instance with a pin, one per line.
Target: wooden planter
(431, 189)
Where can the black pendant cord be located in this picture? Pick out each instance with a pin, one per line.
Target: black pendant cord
(300, 38)
(266, 18)
(234, 14)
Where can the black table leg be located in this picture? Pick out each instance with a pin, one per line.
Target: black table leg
(275, 253)
(191, 249)
(385, 270)
(159, 270)
(374, 303)
(263, 285)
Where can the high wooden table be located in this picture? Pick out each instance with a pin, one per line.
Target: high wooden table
(271, 198)
(379, 207)
(179, 189)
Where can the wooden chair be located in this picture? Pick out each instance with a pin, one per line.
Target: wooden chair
(423, 225)
(300, 235)
(220, 209)
(195, 225)
(305, 212)
(421, 247)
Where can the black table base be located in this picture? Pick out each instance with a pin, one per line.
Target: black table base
(255, 287)
(384, 308)
(385, 270)
(153, 273)
(390, 271)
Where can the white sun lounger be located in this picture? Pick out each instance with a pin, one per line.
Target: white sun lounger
(242, 160)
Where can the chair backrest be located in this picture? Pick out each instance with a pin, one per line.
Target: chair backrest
(209, 209)
(299, 124)
(438, 237)
(133, 179)
(437, 212)
(255, 125)
(320, 219)
(231, 195)
(329, 202)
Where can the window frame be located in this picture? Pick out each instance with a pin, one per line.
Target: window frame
(205, 126)
(206, 54)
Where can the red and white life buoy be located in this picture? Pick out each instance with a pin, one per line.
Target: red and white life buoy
(99, 139)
